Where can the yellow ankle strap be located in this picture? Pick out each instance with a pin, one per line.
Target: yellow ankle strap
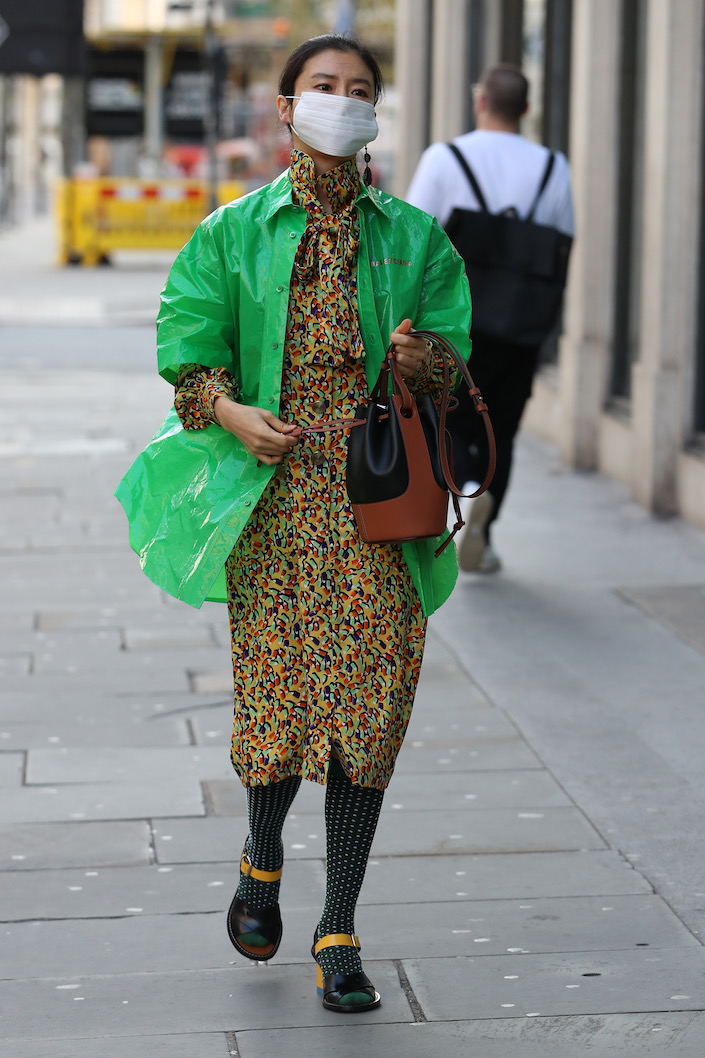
(332, 940)
(247, 869)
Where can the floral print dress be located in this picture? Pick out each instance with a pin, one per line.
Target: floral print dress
(327, 630)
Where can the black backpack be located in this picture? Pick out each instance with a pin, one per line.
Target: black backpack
(517, 269)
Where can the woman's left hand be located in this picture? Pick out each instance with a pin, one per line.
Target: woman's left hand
(409, 351)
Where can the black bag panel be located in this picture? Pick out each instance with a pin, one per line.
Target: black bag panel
(429, 421)
(522, 311)
(517, 272)
(377, 449)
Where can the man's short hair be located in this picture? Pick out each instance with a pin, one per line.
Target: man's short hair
(506, 90)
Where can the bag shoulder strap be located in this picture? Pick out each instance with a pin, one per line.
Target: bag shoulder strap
(546, 177)
(472, 180)
(471, 177)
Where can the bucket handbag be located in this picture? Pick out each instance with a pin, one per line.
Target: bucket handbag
(398, 474)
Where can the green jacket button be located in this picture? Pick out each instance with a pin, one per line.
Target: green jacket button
(270, 400)
(280, 289)
(247, 503)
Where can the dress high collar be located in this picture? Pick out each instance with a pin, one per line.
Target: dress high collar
(341, 185)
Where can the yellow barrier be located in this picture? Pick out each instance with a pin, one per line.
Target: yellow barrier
(98, 216)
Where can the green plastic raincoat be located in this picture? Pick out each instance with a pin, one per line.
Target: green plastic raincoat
(189, 494)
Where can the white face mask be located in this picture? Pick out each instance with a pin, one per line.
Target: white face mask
(335, 125)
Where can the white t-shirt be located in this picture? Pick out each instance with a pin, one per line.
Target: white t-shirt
(509, 169)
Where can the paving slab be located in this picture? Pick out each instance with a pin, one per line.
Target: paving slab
(450, 722)
(190, 1045)
(133, 670)
(547, 985)
(226, 797)
(453, 693)
(185, 637)
(32, 846)
(213, 839)
(485, 928)
(61, 730)
(63, 651)
(680, 607)
(228, 1000)
(442, 728)
(216, 680)
(125, 614)
(484, 830)
(198, 888)
(16, 619)
(680, 1035)
(119, 764)
(35, 702)
(107, 892)
(140, 798)
(11, 766)
(89, 578)
(477, 790)
(464, 754)
(213, 727)
(133, 941)
(15, 664)
(134, 674)
(500, 789)
(393, 879)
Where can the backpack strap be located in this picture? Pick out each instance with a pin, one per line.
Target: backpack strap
(471, 178)
(476, 187)
(546, 177)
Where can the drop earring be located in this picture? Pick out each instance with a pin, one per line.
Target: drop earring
(367, 175)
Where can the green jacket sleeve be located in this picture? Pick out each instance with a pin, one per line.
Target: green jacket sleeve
(197, 320)
(444, 304)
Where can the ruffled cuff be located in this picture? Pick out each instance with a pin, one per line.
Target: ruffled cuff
(195, 393)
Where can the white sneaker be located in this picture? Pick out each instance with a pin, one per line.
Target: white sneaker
(490, 561)
(471, 538)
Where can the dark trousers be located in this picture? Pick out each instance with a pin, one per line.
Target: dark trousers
(504, 374)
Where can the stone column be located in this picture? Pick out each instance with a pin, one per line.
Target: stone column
(586, 346)
(450, 85)
(153, 105)
(412, 85)
(662, 377)
(492, 33)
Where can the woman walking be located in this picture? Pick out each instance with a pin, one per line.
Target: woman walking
(277, 315)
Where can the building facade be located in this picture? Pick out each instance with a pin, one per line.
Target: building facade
(618, 85)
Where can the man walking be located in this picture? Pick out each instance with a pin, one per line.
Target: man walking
(509, 170)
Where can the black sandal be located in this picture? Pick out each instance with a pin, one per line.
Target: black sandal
(243, 919)
(333, 988)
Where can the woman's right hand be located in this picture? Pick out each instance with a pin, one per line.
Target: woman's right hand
(262, 433)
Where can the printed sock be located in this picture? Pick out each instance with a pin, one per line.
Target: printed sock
(351, 820)
(267, 807)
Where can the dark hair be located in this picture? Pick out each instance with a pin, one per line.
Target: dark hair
(337, 42)
(506, 90)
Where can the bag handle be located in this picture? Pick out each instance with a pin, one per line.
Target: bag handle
(447, 351)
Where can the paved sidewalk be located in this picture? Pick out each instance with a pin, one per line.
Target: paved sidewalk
(537, 883)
